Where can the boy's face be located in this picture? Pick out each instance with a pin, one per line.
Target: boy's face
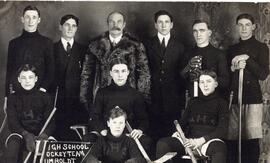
(117, 125)
(119, 74)
(201, 34)
(30, 20)
(27, 79)
(207, 84)
(164, 24)
(68, 29)
(245, 28)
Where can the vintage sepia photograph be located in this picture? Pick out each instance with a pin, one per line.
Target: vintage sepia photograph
(134, 82)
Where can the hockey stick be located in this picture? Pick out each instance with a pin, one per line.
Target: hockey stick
(183, 138)
(46, 123)
(164, 158)
(240, 102)
(5, 118)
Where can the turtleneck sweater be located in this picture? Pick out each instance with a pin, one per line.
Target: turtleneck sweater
(257, 68)
(110, 149)
(28, 110)
(30, 48)
(206, 116)
(127, 98)
(213, 59)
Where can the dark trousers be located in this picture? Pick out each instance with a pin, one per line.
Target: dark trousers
(69, 112)
(250, 151)
(216, 150)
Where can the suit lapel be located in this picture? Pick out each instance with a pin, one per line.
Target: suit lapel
(157, 47)
(170, 46)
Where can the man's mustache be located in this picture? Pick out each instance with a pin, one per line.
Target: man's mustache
(116, 28)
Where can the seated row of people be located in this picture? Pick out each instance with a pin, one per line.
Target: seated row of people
(206, 118)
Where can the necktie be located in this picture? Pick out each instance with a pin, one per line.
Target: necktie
(163, 47)
(68, 47)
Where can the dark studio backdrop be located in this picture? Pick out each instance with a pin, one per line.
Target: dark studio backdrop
(140, 22)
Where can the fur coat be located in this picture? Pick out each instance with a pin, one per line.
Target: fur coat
(96, 68)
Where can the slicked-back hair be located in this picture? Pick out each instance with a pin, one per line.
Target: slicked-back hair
(67, 17)
(197, 21)
(27, 67)
(245, 16)
(117, 61)
(162, 12)
(31, 7)
(116, 12)
(116, 112)
(209, 73)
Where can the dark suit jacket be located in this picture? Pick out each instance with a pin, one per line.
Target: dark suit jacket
(167, 85)
(68, 70)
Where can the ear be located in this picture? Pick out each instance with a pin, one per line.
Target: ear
(216, 84)
(22, 19)
(108, 124)
(36, 79)
(254, 26)
(127, 72)
(39, 20)
(110, 73)
(124, 25)
(19, 80)
(171, 25)
(209, 32)
(156, 26)
(60, 27)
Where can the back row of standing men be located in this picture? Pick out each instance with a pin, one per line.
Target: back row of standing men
(159, 70)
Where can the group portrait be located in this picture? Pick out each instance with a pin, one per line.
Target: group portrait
(134, 82)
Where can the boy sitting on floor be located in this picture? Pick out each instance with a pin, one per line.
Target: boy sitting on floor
(115, 147)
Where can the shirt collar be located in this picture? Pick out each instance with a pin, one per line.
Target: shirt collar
(167, 37)
(116, 40)
(64, 42)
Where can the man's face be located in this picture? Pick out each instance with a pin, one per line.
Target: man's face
(201, 34)
(30, 20)
(68, 29)
(245, 28)
(164, 24)
(119, 74)
(27, 79)
(117, 125)
(207, 84)
(116, 24)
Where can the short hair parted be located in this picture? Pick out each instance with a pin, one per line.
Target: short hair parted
(117, 61)
(30, 7)
(245, 16)
(197, 21)
(116, 12)
(209, 73)
(69, 16)
(117, 112)
(27, 67)
(162, 12)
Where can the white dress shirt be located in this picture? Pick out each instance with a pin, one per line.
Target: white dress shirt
(167, 37)
(115, 40)
(64, 42)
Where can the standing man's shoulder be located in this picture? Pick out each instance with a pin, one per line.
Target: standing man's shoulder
(45, 38)
(132, 39)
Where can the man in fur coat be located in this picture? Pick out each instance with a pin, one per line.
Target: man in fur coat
(113, 44)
